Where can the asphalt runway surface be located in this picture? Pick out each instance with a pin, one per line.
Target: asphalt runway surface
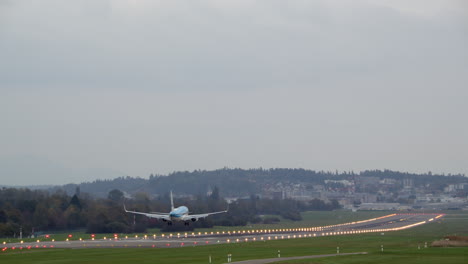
(388, 223)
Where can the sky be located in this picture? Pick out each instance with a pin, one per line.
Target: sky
(98, 89)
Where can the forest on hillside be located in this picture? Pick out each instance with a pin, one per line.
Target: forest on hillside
(241, 182)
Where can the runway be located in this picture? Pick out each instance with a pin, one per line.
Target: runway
(388, 223)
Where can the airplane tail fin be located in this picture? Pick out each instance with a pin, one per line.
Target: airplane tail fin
(172, 202)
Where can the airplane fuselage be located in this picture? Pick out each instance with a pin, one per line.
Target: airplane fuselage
(179, 213)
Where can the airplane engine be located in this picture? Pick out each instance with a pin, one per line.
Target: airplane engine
(194, 219)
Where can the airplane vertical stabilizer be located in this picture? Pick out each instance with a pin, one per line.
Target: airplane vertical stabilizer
(172, 202)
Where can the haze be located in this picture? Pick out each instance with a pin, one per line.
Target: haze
(101, 89)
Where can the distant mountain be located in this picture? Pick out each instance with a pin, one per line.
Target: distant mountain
(240, 182)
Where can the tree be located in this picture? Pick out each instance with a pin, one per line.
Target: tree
(215, 193)
(116, 195)
(75, 201)
(40, 217)
(73, 217)
(3, 217)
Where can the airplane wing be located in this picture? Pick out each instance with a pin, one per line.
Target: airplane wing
(198, 216)
(152, 215)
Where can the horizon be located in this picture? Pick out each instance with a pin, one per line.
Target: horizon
(333, 172)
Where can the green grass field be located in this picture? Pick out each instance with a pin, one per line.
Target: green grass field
(399, 247)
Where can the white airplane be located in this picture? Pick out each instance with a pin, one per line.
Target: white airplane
(180, 213)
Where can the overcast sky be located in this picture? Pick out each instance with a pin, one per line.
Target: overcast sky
(100, 89)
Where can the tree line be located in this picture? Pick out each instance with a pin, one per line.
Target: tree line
(244, 182)
(39, 211)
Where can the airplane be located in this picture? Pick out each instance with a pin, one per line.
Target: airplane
(180, 213)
